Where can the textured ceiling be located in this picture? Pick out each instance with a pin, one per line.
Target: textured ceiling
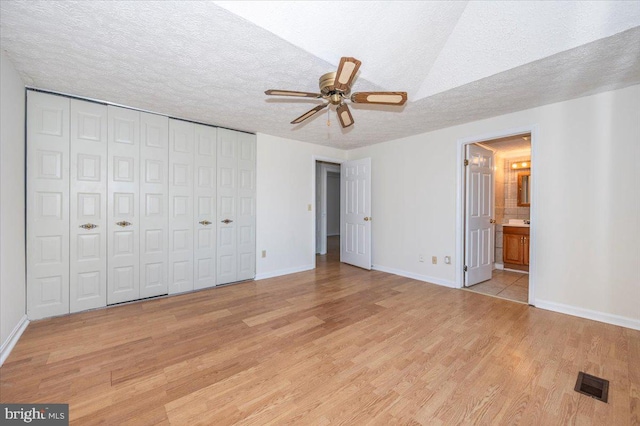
(509, 145)
(211, 62)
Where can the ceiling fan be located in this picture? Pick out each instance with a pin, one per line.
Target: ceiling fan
(335, 87)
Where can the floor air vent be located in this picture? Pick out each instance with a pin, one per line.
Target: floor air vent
(592, 386)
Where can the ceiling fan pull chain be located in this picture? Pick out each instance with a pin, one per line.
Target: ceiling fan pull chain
(328, 118)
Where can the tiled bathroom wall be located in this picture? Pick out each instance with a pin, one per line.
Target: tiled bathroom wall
(506, 196)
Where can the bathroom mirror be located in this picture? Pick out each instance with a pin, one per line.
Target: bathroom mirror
(524, 189)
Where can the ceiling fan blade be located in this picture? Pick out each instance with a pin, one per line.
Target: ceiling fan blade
(344, 115)
(346, 72)
(292, 93)
(309, 113)
(380, 98)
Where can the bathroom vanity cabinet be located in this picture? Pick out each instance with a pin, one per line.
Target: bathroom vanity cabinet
(516, 247)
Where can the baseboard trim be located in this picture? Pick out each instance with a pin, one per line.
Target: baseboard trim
(281, 272)
(425, 278)
(7, 346)
(499, 266)
(588, 314)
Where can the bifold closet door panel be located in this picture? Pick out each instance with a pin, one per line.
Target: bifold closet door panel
(88, 206)
(154, 180)
(236, 248)
(204, 250)
(123, 217)
(246, 207)
(181, 170)
(47, 205)
(227, 165)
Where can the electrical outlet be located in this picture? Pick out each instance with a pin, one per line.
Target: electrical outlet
(264, 253)
(421, 258)
(447, 260)
(434, 260)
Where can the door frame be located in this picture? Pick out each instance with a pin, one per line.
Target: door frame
(325, 169)
(461, 191)
(314, 160)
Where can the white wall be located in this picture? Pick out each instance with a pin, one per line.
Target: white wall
(285, 188)
(587, 203)
(413, 204)
(12, 243)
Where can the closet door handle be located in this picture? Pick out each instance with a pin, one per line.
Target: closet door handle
(88, 226)
(226, 221)
(205, 222)
(123, 224)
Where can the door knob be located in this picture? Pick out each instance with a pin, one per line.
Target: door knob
(367, 219)
(88, 226)
(492, 221)
(226, 221)
(123, 223)
(205, 222)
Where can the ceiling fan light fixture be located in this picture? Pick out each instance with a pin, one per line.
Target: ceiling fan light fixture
(335, 88)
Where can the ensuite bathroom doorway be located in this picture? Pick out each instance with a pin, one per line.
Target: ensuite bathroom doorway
(508, 234)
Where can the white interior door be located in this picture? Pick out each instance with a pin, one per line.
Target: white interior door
(204, 250)
(478, 215)
(47, 205)
(154, 211)
(226, 206)
(88, 206)
(236, 206)
(246, 206)
(181, 166)
(355, 213)
(123, 227)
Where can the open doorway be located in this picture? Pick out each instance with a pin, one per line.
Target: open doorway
(497, 190)
(327, 209)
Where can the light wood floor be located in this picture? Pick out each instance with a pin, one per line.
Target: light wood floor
(336, 345)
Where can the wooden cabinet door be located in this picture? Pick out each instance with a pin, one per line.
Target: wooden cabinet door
(525, 251)
(512, 249)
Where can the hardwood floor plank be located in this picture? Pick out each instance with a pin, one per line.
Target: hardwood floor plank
(335, 345)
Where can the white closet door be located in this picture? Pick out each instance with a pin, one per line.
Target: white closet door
(204, 250)
(181, 167)
(123, 198)
(246, 207)
(47, 205)
(88, 206)
(226, 206)
(154, 212)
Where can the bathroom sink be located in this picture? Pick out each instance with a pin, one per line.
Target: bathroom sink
(518, 222)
